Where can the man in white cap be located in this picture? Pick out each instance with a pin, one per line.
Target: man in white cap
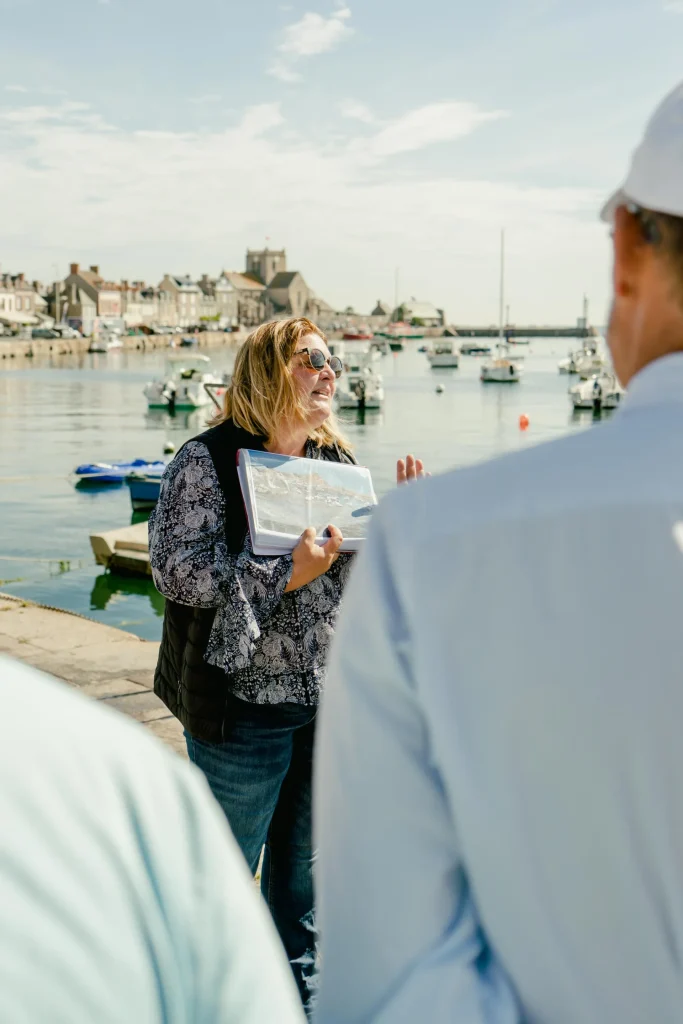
(500, 763)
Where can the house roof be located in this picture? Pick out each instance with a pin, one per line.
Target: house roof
(242, 282)
(283, 279)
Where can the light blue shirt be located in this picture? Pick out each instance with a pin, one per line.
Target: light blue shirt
(123, 896)
(500, 760)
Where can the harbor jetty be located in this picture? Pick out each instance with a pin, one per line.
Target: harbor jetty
(106, 664)
(33, 348)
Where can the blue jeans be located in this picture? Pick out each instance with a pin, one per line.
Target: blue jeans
(261, 777)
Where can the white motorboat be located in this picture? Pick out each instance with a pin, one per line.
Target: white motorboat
(586, 361)
(601, 391)
(360, 386)
(443, 353)
(590, 363)
(105, 341)
(474, 348)
(380, 345)
(182, 386)
(501, 369)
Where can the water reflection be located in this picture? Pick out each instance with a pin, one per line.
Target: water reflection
(183, 419)
(110, 588)
(360, 416)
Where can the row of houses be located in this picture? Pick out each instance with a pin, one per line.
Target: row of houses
(265, 289)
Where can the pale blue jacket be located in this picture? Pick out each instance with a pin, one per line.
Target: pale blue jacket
(500, 760)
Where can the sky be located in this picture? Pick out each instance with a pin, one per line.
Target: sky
(384, 144)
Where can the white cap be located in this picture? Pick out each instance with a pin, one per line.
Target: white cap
(655, 179)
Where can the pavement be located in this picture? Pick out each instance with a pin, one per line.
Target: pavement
(106, 664)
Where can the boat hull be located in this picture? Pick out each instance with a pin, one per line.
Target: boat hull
(144, 492)
(443, 361)
(474, 350)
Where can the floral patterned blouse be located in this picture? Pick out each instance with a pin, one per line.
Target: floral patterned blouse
(272, 645)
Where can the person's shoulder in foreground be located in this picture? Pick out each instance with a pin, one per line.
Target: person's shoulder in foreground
(124, 896)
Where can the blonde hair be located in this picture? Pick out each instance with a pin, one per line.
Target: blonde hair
(263, 393)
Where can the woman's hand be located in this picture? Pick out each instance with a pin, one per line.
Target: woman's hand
(312, 560)
(411, 469)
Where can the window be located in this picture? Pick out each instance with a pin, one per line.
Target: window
(18, 302)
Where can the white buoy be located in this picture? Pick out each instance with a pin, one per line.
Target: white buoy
(440, 389)
(169, 448)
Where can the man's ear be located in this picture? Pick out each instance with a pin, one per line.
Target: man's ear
(630, 251)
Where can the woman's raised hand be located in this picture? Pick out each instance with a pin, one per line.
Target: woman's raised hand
(312, 560)
(411, 469)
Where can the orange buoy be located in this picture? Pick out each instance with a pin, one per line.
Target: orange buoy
(524, 422)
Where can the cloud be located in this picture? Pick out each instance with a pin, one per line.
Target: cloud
(436, 122)
(311, 35)
(216, 192)
(16, 88)
(284, 72)
(356, 111)
(674, 6)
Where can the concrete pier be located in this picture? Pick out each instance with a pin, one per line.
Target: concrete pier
(124, 550)
(34, 348)
(106, 664)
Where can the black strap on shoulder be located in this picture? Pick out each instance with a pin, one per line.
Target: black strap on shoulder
(224, 442)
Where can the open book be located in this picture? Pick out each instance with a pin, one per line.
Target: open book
(284, 495)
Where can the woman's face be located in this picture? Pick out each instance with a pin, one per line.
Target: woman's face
(317, 387)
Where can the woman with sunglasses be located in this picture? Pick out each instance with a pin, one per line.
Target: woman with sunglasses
(245, 637)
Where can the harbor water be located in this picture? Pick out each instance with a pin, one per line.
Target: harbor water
(55, 415)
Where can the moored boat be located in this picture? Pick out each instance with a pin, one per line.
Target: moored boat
(443, 354)
(112, 472)
(600, 392)
(144, 487)
(360, 386)
(183, 384)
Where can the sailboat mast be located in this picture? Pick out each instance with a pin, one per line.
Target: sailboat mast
(502, 286)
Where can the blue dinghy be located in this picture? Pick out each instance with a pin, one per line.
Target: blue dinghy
(112, 472)
(144, 486)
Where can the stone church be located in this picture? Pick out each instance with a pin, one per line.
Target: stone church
(285, 292)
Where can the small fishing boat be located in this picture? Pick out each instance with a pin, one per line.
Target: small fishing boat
(501, 369)
(360, 386)
(144, 486)
(599, 393)
(112, 472)
(474, 348)
(443, 354)
(189, 341)
(183, 384)
(362, 333)
(105, 340)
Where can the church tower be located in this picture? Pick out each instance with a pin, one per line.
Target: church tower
(266, 263)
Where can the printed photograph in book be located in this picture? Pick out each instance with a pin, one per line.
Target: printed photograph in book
(284, 495)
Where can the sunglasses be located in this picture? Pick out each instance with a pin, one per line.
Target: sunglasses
(317, 360)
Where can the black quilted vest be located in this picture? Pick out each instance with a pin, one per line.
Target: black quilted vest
(195, 692)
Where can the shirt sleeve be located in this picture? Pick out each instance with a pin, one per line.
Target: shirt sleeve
(188, 551)
(401, 939)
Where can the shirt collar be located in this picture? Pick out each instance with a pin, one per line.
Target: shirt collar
(658, 383)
